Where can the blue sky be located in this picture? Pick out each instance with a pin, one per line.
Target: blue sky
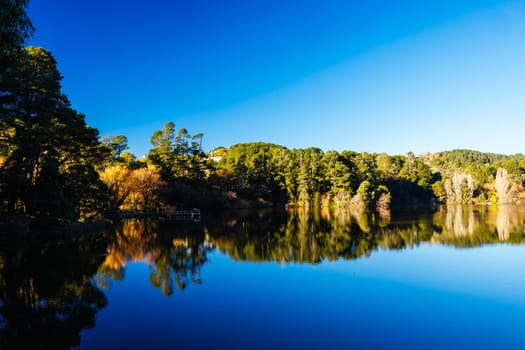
(376, 76)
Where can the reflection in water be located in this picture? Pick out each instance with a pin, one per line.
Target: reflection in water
(46, 293)
(310, 237)
(477, 225)
(460, 220)
(301, 237)
(503, 224)
(177, 251)
(172, 256)
(510, 220)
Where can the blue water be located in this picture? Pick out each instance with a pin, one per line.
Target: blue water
(271, 280)
(426, 297)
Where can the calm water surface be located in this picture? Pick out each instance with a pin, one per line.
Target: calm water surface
(273, 280)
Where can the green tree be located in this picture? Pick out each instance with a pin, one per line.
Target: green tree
(256, 170)
(15, 29)
(161, 155)
(310, 175)
(43, 141)
(15, 25)
(366, 192)
(178, 156)
(116, 144)
(337, 177)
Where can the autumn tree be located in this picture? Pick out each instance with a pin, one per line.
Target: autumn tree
(131, 189)
(118, 180)
(146, 182)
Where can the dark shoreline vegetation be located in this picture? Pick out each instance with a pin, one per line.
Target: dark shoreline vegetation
(53, 166)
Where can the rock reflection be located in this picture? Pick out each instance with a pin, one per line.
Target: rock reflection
(510, 221)
(460, 220)
(476, 225)
(503, 222)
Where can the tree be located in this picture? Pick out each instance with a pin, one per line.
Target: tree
(15, 25)
(117, 144)
(390, 167)
(161, 155)
(310, 175)
(188, 157)
(384, 199)
(15, 29)
(131, 161)
(178, 156)
(146, 182)
(117, 179)
(43, 140)
(337, 177)
(365, 192)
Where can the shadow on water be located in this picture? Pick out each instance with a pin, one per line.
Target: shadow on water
(51, 289)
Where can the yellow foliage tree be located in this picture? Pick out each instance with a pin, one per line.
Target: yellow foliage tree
(132, 189)
(117, 179)
(146, 183)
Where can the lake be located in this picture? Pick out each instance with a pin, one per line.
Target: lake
(454, 279)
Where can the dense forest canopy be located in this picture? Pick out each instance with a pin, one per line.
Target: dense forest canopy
(53, 164)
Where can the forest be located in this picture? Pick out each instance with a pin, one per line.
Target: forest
(52, 164)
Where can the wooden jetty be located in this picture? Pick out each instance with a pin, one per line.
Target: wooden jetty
(184, 214)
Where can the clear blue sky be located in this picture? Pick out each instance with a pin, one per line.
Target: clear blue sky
(392, 76)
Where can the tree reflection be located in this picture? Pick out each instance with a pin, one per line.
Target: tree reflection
(174, 256)
(297, 236)
(180, 264)
(46, 293)
(306, 236)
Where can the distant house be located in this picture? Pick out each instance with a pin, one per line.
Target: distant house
(217, 153)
